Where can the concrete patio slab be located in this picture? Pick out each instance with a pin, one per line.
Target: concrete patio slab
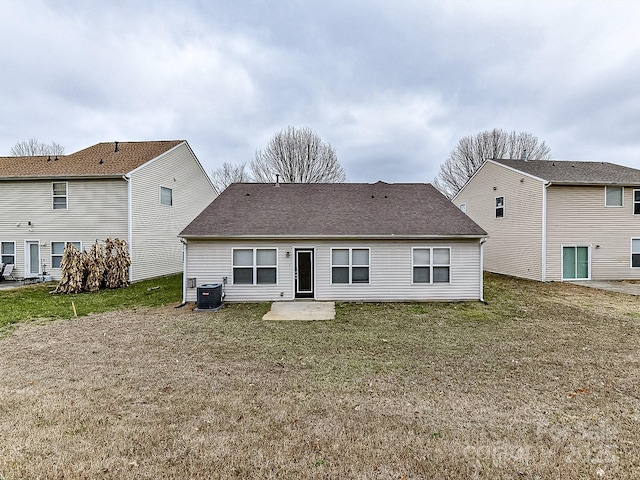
(619, 286)
(301, 311)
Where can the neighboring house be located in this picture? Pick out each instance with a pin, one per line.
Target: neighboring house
(557, 220)
(142, 192)
(345, 241)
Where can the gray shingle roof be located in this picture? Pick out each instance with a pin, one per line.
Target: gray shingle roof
(325, 210)
(567, 172)
(97, 160)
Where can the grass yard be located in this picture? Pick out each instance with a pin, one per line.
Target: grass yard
(540, 383)
(35, 302)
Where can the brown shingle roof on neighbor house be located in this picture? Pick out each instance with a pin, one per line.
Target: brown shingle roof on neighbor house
(567, 172)
(329, 210)
(100, 159)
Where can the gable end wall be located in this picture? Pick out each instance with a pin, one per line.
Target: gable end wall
(514, 246)
(155, 247)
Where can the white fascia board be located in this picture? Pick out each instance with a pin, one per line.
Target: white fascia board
(155, 158)
(468, 181)
(520, 172)
(200, 165)
(334, 237)
(58, 177)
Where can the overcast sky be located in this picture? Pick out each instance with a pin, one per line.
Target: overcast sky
(392, 85)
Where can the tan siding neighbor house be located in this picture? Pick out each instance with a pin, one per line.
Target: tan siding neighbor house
(142, 192)
(560, 220)
(351, 242)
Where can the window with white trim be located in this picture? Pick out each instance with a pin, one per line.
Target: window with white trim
(255, 266)
(59, 192)
(635, 252)
(166, 196)
(613, 196)
(349, 265)
(8, 253)
(499, 207)
(57, 250)
(636, 202)
(431, 265)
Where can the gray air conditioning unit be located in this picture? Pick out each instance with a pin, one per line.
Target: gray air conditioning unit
(209, 296)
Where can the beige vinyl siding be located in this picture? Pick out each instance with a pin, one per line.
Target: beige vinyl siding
(514, 246)
(97, 209)
(576, 215)
(155, 247)
(390, 275)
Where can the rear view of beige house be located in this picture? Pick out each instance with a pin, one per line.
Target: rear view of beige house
(557, 220)
(141, 192)
(344, 241)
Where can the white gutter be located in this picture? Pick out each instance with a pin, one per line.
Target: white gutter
(545, 185)
(184, 270)
(127, 179)
(332, 237)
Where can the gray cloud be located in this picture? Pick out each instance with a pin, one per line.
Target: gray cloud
(392, 85)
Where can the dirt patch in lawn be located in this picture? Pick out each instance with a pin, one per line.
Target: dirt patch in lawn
(542, 382)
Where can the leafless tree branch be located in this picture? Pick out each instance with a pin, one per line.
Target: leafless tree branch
(298, 155)
(33, 148)
(472, 151)
(227, 174)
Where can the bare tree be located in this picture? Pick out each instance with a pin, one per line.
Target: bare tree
(298, 155)
(472, 151)
(227, 174)
(33, 148)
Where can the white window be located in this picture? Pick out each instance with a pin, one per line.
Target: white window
(613, 196)
(166, 196)
(499, 207)
(59, 195)
(255, 266)
(57, 249)
(8, 253)
(431, 265)
(349, 265)
(463, 207)
(635, 252)
(636, 202)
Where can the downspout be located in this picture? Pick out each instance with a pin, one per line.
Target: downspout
(184, 272)
(482, 242)
(127, 179)
(544, 230)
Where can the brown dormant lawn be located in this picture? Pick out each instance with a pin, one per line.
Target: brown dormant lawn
(544, 382)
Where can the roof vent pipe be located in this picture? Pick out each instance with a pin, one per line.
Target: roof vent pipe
(116, 149)
(277, 180)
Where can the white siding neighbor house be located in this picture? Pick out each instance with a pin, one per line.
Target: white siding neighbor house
(141, 192)
(552, 220)
(351, 242)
